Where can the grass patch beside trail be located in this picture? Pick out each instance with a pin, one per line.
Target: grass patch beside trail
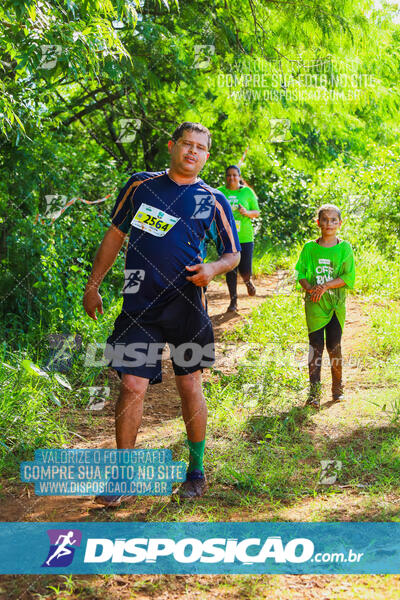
(30, 410)
(267, 258)
(384, 351)
(377, 276)
(36, 399)
(386, 330)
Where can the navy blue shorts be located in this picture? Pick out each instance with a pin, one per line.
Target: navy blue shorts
(136, 343)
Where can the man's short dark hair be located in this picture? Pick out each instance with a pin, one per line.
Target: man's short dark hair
(189, 126)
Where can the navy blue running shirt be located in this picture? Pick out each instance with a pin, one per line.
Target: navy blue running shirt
(167, 223)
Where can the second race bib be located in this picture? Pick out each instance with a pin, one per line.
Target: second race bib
(237, 225)
(153, 220)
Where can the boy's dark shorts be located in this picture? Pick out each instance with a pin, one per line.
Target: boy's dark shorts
(135, 346)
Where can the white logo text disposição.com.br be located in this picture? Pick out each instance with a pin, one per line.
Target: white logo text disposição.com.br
(213, 550)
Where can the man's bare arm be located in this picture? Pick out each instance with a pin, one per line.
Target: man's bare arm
(226, 263)
(204, 272)
(103, 261)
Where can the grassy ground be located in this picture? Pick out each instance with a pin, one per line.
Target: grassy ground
(264, 450)
(203, 587)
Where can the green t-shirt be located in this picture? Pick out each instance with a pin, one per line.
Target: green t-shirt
(318, 264)
(247, 198)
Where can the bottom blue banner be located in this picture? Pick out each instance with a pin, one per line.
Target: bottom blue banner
(200, 548)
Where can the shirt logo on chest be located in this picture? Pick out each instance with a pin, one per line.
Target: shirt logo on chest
(133, 279)
(204, 206)
(234, 202)
(324, 270)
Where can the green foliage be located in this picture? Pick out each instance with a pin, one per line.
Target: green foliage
(378, 275)
(43, 44)
(367, 191)
(285, 209)
(30, 411)
(386, 330)
(38, 403)
(149, 62)
(271, 357)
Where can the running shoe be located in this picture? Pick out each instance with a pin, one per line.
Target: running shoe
(195, 485)
(251, 288)
(314, 395)
(109, 501)
(232, 308)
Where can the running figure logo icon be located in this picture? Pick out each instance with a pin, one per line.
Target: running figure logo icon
(61, 551)
(204, 206)
(133, 279)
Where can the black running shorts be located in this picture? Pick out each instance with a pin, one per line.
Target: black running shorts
(136, 343)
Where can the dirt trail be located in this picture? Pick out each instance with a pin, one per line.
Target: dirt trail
(162, 407)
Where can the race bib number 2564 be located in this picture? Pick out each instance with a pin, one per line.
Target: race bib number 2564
(153, 220)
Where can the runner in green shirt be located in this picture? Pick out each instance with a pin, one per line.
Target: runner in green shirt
(245, 207)
(324, 269)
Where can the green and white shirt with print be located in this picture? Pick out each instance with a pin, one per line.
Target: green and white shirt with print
(317, 265)
(247, 198)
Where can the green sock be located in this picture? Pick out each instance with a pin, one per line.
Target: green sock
(196, 455)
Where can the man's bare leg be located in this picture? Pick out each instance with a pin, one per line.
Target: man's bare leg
(128, 417)
(194, 407)
(129, 409)
(194, 411)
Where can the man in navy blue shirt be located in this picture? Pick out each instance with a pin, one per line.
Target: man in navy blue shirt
(167, 216)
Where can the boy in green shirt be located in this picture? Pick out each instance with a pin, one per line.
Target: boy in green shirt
(324, 269)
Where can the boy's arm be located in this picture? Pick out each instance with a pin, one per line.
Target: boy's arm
(318, 290)
(334, 283)
(305, 285)
(103, 261)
